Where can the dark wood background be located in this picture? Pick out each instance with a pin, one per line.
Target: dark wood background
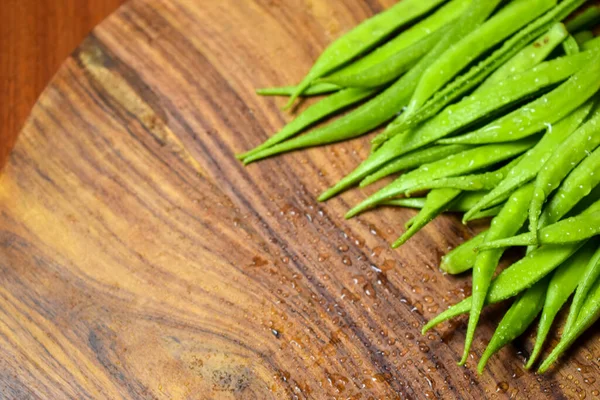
(139, 259)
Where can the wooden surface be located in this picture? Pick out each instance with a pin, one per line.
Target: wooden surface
(139, 259)
(35, 38)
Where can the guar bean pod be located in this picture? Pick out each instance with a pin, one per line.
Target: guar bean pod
(315, 89)
(507, 223)
(471, 109)
(534, 159)
(578, 184)
(438, 200)
(462, 257)
(313, 114)
(574, 149)
(518, 318)
(468, 81)
(363, 38)
(587, 19)
(590, 312)
(540, 113)
(474, 182)
(567, 230)
(590, 275)
(454, 165)
(440, 18)
(501, 25)
(402, 163)
(519, 276)
(562, 284)
(392, 68)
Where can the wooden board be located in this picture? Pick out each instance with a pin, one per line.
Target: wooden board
(139, 259)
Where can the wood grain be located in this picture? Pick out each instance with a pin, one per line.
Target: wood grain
(35, 38)
(139, 259)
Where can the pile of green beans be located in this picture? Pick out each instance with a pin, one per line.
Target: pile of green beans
(493, 111)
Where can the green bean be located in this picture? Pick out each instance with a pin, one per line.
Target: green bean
(561, 162)
(474, 182)
(590, 275)
(587, 19)
(454, 165)
(440, 18)
(361, 120)
(568, 230)
(312, 115)
(516, 320)
(490, 212)
(590, 312)
(583, 37)
(570, 46)
(505, 224)
(593, 44)
(541, 112)
(462, 114)
(518, 277)
(534, 159)
(313, 90)
(363, 38)
(561, 286)
(462, 258)
(481, 105)
(462, 204)
(578, 184)
(464, 83)
(385, 72)
(404, 162)
(437, 202)
(504, 23)
(527, 58)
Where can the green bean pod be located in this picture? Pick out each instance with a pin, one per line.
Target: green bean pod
(570, 46)
(516, 320)
(590, 275)
(315, 89)
(440, 18)
(313, 114)
(540, 113)
(520, 276)
(474, 182)
(568, 230)
(593, 44)
(587, 19)
(505, 224)
(590, 312)
(578, 184)
(527, 58)
(562, 284)
(473, 108)
(501, 25)
(534, 159)
(574, 149)
(363, 38)
(404, 162)
(454, 165)
(462, 257)
(392, 68)
(459, 115)
(583, 37)
(464, 83)
(438, 200)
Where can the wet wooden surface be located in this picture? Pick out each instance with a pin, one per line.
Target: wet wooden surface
(139, 259)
